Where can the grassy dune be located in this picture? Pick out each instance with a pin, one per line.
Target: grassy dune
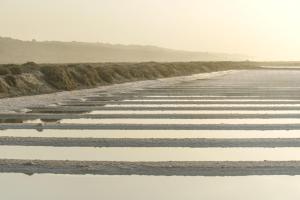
(31, 78)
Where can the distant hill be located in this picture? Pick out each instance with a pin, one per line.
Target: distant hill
(18, 51)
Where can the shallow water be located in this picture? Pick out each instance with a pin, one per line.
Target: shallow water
(149, 154)
(196, 112)
(176, 121)
(213, 100)
(202, 105)
(150, 133)
(62, 187)
(16, 186)
(200, 96)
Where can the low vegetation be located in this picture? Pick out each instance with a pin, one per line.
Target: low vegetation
(31, 78)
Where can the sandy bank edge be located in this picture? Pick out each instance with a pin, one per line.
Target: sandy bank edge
(150, 142)
(172, 168)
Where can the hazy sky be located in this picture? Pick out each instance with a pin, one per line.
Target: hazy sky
(266, 29)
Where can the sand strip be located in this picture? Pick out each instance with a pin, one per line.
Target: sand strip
(197, 168)
(150, 142)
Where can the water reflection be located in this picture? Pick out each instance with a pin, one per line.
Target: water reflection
(75, 187)
(149, 154)
(150, 133)
(208, 106)
(180, 121)
(195, 112)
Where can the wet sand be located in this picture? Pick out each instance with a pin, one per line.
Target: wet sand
(40, 127)
(150, 142)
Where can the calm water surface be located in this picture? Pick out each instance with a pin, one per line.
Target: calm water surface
(149, 154)
(151, 133)
(76, 187)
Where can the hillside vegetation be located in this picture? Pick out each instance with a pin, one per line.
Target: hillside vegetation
(31, 78)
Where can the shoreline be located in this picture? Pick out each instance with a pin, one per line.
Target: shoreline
(19, 104)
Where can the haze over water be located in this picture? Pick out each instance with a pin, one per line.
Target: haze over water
(262, 29)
